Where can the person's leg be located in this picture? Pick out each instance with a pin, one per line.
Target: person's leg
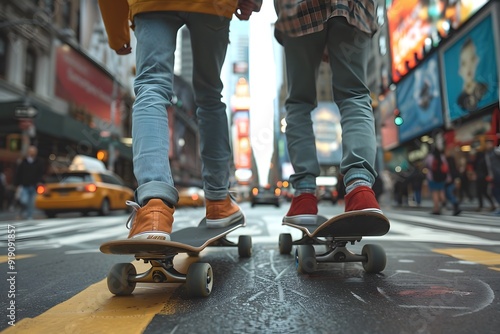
(488, 196)
(30, 206)
(302, 59)
(156, 39)
(479, 193)
(496, 194)
(450, 196)
(349, 50)
(209, 40)
(418, 196)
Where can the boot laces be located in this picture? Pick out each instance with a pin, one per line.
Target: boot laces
(135, 206)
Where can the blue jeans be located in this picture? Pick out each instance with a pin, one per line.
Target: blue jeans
(348, 50)
(27, 201)
(449, 192)
(156, 34)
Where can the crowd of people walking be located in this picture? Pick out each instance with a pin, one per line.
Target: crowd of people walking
(451, 181)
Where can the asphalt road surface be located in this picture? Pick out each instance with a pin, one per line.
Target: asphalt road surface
(442, 276)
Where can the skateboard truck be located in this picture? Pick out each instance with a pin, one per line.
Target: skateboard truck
(161, 271)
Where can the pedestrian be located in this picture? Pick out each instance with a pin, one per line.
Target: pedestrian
(451, 179)
(29, 175)
(493, 164)
(339, 32)
(481, 171)
(417, 178)
(156, 24)
(437, 172)
(465, 170)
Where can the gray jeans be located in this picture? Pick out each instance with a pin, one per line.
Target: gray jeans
(348, 50)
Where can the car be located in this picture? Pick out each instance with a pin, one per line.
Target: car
(327, 188)
(191, 196)
(327, 193)
(265, 195)
(79, 189)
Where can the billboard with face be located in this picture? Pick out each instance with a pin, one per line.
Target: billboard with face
(470, 70)
(419, 100)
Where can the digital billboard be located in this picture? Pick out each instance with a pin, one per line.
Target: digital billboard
(413, 23)
(470, 70)
(418, 98)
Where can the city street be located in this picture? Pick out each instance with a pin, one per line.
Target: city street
(442, 276)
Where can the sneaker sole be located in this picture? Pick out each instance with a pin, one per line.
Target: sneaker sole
(301, 219)
(224, 222)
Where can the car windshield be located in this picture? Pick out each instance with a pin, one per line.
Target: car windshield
(69, 178)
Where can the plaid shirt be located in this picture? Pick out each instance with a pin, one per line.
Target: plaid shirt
(303, 17)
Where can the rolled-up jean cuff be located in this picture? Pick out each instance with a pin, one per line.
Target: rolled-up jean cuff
(157, 189)
(216, 195)
(357, 174)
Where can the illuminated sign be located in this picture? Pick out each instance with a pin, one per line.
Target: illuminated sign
(415, 25)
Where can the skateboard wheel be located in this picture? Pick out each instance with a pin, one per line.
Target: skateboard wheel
(375, 258)
(245, 246)
(285, 243)
(118, 282)
(199, 280)
(305, 259)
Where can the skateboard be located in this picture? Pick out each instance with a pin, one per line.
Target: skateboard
(335, 233)
(122, 277)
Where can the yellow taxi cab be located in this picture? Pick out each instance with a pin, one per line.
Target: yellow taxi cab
(86, 186)
(191, 196)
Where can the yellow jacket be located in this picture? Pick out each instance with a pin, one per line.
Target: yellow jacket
(117, 13)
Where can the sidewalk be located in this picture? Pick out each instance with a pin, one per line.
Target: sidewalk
(427, 206)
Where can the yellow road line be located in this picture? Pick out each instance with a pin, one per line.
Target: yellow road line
(5, 258)
(96, 310)
(490, 259)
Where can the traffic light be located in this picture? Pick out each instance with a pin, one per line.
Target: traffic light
(398, 119)
(14, 142)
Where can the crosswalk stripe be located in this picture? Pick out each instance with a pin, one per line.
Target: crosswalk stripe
(490, 259)
(442, 223)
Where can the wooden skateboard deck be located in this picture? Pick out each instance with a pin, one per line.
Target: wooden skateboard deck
(335, 233)
(191, 239)
(123, 277)
(348, 224)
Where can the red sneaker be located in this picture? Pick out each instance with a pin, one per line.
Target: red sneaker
(361, 198)
(303, 210)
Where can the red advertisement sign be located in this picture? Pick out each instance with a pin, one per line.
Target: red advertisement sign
(242, 148)
(81, 82)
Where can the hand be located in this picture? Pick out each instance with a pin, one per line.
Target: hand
(244, 9)
(325, 57)
(125, 50)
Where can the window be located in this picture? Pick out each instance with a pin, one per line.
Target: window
(3, 56)
(29, 73)
(110, 179)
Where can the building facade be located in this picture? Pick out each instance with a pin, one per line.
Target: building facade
(64, 90)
